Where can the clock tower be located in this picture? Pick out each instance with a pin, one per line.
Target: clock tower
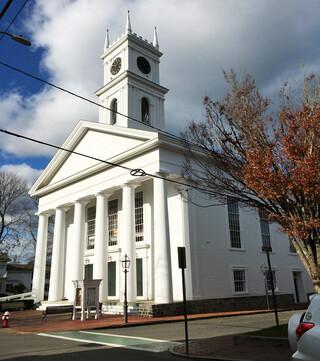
(131, 90)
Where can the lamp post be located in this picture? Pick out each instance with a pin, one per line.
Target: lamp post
(19, 38)
(125, 264)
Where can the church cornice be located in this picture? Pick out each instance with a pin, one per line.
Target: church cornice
(41, 186)
(130, 76)
(151, 142)
(134, 39)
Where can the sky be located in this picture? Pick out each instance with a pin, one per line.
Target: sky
(270, 39)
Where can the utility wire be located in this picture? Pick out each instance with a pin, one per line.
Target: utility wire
(14, 17)
(88, 100)
(133, 171)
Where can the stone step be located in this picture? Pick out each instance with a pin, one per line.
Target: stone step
(117, 309)
(44, 304)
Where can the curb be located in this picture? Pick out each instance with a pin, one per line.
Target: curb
(193, 357)
(248, 340)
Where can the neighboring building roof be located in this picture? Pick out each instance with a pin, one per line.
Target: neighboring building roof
(20, 267)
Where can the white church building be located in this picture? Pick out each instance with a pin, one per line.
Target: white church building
(126, 198)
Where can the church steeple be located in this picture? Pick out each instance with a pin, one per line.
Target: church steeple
(131, 94)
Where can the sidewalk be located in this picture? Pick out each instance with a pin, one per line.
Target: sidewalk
(217, 348)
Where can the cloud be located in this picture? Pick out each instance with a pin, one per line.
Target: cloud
(269, 38)
(24, 171)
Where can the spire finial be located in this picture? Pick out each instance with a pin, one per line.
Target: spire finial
(107, 42)
(128, 24)
(155, 38)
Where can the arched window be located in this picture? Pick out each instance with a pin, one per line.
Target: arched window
(114, 109)
(145, 111)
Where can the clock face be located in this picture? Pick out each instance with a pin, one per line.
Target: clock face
(116, 66)
(143, 65)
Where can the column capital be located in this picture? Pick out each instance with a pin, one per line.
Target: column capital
(45, 214)
(82, 201)
(130, 185)
(61, 208)
(103, 193)
(162, 175)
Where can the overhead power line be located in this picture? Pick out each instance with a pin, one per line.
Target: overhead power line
(133, 171)
(5, 9)
(88, 100)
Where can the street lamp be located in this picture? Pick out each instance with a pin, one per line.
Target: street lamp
(125, 264)
(19, 38)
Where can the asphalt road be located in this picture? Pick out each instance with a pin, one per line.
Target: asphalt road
(25, 347)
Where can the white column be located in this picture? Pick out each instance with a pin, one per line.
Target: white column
(162, 254)
(100, 269)
(79, 219)
(58, 254)
(128, 242)
(39, 272)
(186, 242)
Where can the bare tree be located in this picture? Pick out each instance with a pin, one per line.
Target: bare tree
(26, 245)
(13, 201)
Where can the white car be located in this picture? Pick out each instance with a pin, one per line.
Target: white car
(304, 332)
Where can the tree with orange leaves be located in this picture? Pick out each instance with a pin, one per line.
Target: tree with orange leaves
(267, 162)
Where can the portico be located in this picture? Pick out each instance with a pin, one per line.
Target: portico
(115, 233)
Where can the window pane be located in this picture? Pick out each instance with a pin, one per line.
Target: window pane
(268, 276)
(139, 216)
(111, 278)
(265, 231)
(239, 278)
(234, 224)
(113, 222)
(88, 271)
(145, 111)
(91, 220)
(139, 277)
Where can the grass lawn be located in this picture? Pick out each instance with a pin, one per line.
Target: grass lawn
(281, 331)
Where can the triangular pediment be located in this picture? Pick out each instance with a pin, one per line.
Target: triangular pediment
(99, 142)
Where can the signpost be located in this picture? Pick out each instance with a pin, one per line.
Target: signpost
(267, 250)
(182, 265)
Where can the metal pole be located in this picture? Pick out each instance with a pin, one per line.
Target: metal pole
(272, 289)
(125, 304)
(185, 311)
(266, 289)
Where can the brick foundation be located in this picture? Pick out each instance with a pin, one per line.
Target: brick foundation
(214, 305)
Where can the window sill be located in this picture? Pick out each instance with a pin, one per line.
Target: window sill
(240, 293)
(236, 249)
(89, 252)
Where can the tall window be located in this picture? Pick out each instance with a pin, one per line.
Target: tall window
(114, 109)
(138, 212)
(88, 272)
(139, 268)
(91, 221)
(239, 280)
(292, 248)
(234, 224)
(113, 222)
(112, 278)
(264, 226)
(145, 111)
